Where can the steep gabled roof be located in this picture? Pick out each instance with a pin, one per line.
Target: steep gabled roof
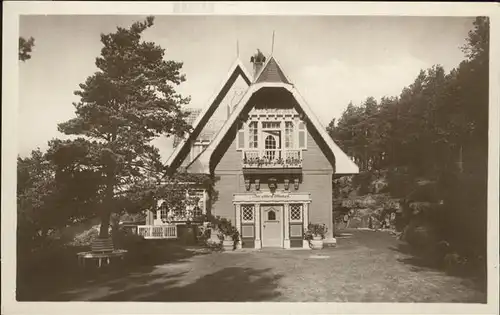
(237, 69)
(193, 115)
(272, 72)
(343, 164)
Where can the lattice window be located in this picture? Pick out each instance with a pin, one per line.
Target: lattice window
(296, 212)
(247, 213)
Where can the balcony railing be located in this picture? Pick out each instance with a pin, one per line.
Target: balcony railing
(272, 158)
(157, 231)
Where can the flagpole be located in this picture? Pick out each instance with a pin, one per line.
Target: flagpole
(272, 45)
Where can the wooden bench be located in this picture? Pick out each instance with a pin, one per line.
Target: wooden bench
(102, 250)
(100, 256)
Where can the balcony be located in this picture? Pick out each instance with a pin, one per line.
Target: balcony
(272, 158)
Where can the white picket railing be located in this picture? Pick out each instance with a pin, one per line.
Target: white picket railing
(157, 231)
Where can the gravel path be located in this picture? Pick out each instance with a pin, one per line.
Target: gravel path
(365, 267)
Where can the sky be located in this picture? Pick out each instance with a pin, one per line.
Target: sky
(332, 60)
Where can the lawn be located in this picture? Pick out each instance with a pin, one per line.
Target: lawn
(366, 266)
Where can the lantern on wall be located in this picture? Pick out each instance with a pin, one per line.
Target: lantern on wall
(247, 184)
(257, 184)
(287, 184)
(296, 183)
(272, 184)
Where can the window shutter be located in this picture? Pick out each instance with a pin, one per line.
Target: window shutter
(240, 137)
(302, 136)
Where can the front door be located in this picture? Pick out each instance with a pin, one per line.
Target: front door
(272, 225)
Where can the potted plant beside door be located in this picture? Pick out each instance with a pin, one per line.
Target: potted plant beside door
(315, 234)
(228, 234)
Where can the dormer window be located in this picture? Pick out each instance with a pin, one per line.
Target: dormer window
(257, 135)
(271, 138)
(197, 148)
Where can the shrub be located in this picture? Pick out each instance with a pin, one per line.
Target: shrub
(85, 238)
(227, 229)
(315, 229)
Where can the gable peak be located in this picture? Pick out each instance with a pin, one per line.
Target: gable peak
(271, 71)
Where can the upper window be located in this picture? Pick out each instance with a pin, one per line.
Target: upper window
(289, 135)
(270, 125)
(302, 135)
(270, 143)
(253, 135)
(240, 136)
(270, 147)
(197, 149)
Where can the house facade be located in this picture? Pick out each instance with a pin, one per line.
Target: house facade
(271, 159)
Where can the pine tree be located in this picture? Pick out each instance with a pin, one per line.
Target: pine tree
(123, 106)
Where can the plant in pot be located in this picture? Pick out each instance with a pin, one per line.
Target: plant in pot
(228, 234)
(315, 234)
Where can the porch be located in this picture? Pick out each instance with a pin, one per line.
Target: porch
(163, 221)
(266, 219)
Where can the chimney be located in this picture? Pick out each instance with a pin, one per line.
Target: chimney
(258, 60)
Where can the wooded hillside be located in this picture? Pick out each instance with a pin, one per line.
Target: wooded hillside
(430, 147)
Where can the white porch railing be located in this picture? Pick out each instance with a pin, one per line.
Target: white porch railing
(272, 158)
(157, 231)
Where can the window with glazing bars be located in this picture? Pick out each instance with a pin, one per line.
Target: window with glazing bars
(270, 124)
(253, 135)
(289, 135)
(247, 213)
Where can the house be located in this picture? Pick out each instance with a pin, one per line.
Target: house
(272, 159)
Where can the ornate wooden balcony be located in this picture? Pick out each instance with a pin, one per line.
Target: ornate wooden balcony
(272, 158)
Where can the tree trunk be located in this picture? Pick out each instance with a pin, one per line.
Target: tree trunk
(107, 207)
(104, 230)
(460, 162)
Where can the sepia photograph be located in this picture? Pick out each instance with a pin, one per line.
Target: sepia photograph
(252, 158)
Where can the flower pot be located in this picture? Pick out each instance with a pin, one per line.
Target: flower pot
(316, 242)
(228, 244)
